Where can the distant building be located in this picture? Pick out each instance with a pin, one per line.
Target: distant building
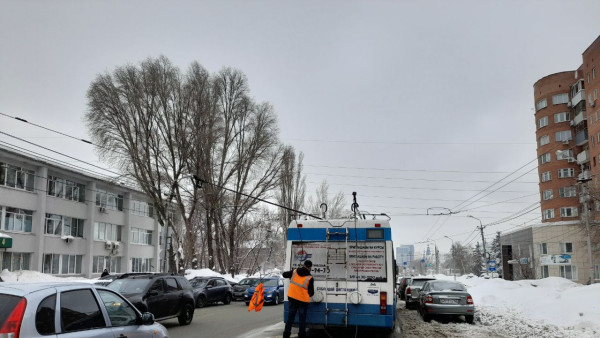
(405, 254)
(67, 223)
(567, 116)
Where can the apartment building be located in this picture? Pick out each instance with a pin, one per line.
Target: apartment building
(568, 149)
(64, 222)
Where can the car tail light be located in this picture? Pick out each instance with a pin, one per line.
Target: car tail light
(408, 290)
(429, 299)
(469, 300)
(383, 303)
(12, 325)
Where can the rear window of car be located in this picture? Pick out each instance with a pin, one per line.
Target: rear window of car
(450, 286)
(419, 282)
(129, 285)
(7, 305)
(248, 281)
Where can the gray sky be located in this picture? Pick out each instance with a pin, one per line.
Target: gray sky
(412, 104)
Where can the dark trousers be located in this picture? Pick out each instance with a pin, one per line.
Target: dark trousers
(301, 308)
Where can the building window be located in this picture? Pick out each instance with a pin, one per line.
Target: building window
(566, 172)
(545, 272)
(543, 248)
(107, 232)
(141, 264)
(548, 213)
(593, 73)
(110, 263)
(560, 98)
(16, 177)
(564, 154)
(567, 191)
(568, 272)
(562, 136)
(568, 212)
(547, 194)
(63, 226)
(109, 200)
(545, 158)
(55, 264)
(14, 261)
(544, 140)
(566, 247)
(61, 188)
(541, 104)
(18, 220)
(561, 117)
(542, 122)
(546, 176)
(142, 208)
(141, 236)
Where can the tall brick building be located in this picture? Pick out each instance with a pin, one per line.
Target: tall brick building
(568, 150)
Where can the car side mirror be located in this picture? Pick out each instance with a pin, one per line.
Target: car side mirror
(209, 286)
(147, 318)
(152, 293)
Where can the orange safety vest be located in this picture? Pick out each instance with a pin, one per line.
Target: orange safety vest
(299, 287)
(258, 298)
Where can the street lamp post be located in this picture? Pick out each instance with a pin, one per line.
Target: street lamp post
(483, 243)
(453, 259)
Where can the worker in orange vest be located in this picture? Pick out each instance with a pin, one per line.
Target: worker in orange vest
(299, 293)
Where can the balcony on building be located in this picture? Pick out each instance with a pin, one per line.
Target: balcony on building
(585, 175)
(577, 93)
(581, 138)
(583, 157)
(579, 117)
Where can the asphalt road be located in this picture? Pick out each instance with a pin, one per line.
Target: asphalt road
(234, 320)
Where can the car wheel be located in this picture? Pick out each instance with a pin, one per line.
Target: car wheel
(187, 314)
(201, 301)
(276, 300)
(227, 299)
(426, 317)
(469, 319)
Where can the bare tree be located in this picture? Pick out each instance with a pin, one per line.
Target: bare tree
(335, 204)
(137, 116)
(292, 187)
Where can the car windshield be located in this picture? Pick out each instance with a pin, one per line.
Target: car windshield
(248, 281)
(199, 283)
(129, 285)
(447, 285)
(270, 282)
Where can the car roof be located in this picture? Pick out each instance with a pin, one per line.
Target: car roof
(22, 289)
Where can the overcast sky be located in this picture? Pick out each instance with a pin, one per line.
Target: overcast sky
(418, 106)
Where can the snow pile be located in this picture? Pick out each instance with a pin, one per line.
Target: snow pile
(34, 277)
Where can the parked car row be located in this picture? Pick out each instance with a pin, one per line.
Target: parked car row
(433, 297)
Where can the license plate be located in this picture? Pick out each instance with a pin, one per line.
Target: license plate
(448, 301)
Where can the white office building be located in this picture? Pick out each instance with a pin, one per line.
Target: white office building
(67, 223)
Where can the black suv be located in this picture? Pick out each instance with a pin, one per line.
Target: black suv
(164, 295)
(211, 290)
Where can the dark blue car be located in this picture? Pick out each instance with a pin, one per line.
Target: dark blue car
(273, 290)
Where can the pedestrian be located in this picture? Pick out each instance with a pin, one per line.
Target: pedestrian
(299, 293)
(104, 273)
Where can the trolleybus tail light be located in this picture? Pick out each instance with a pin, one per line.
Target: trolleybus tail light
(383, 303)
(377, 225)
(299, 225)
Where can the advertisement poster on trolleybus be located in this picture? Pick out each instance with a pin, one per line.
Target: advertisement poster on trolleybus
(365, 261)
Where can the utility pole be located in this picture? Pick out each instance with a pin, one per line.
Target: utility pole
(585, 199)
(485, 256)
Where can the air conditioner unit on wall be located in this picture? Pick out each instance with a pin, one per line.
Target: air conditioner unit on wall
(571, 160)
(108, 245)
(565, 141)
(102, 209)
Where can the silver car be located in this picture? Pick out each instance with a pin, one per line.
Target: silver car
(71, 310)
(444, 297)
(413, 285)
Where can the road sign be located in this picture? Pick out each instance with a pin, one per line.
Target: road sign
(405, 263)
(491, 265)
(5, 242)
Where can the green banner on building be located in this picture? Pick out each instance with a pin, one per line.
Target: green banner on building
(5, 242)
